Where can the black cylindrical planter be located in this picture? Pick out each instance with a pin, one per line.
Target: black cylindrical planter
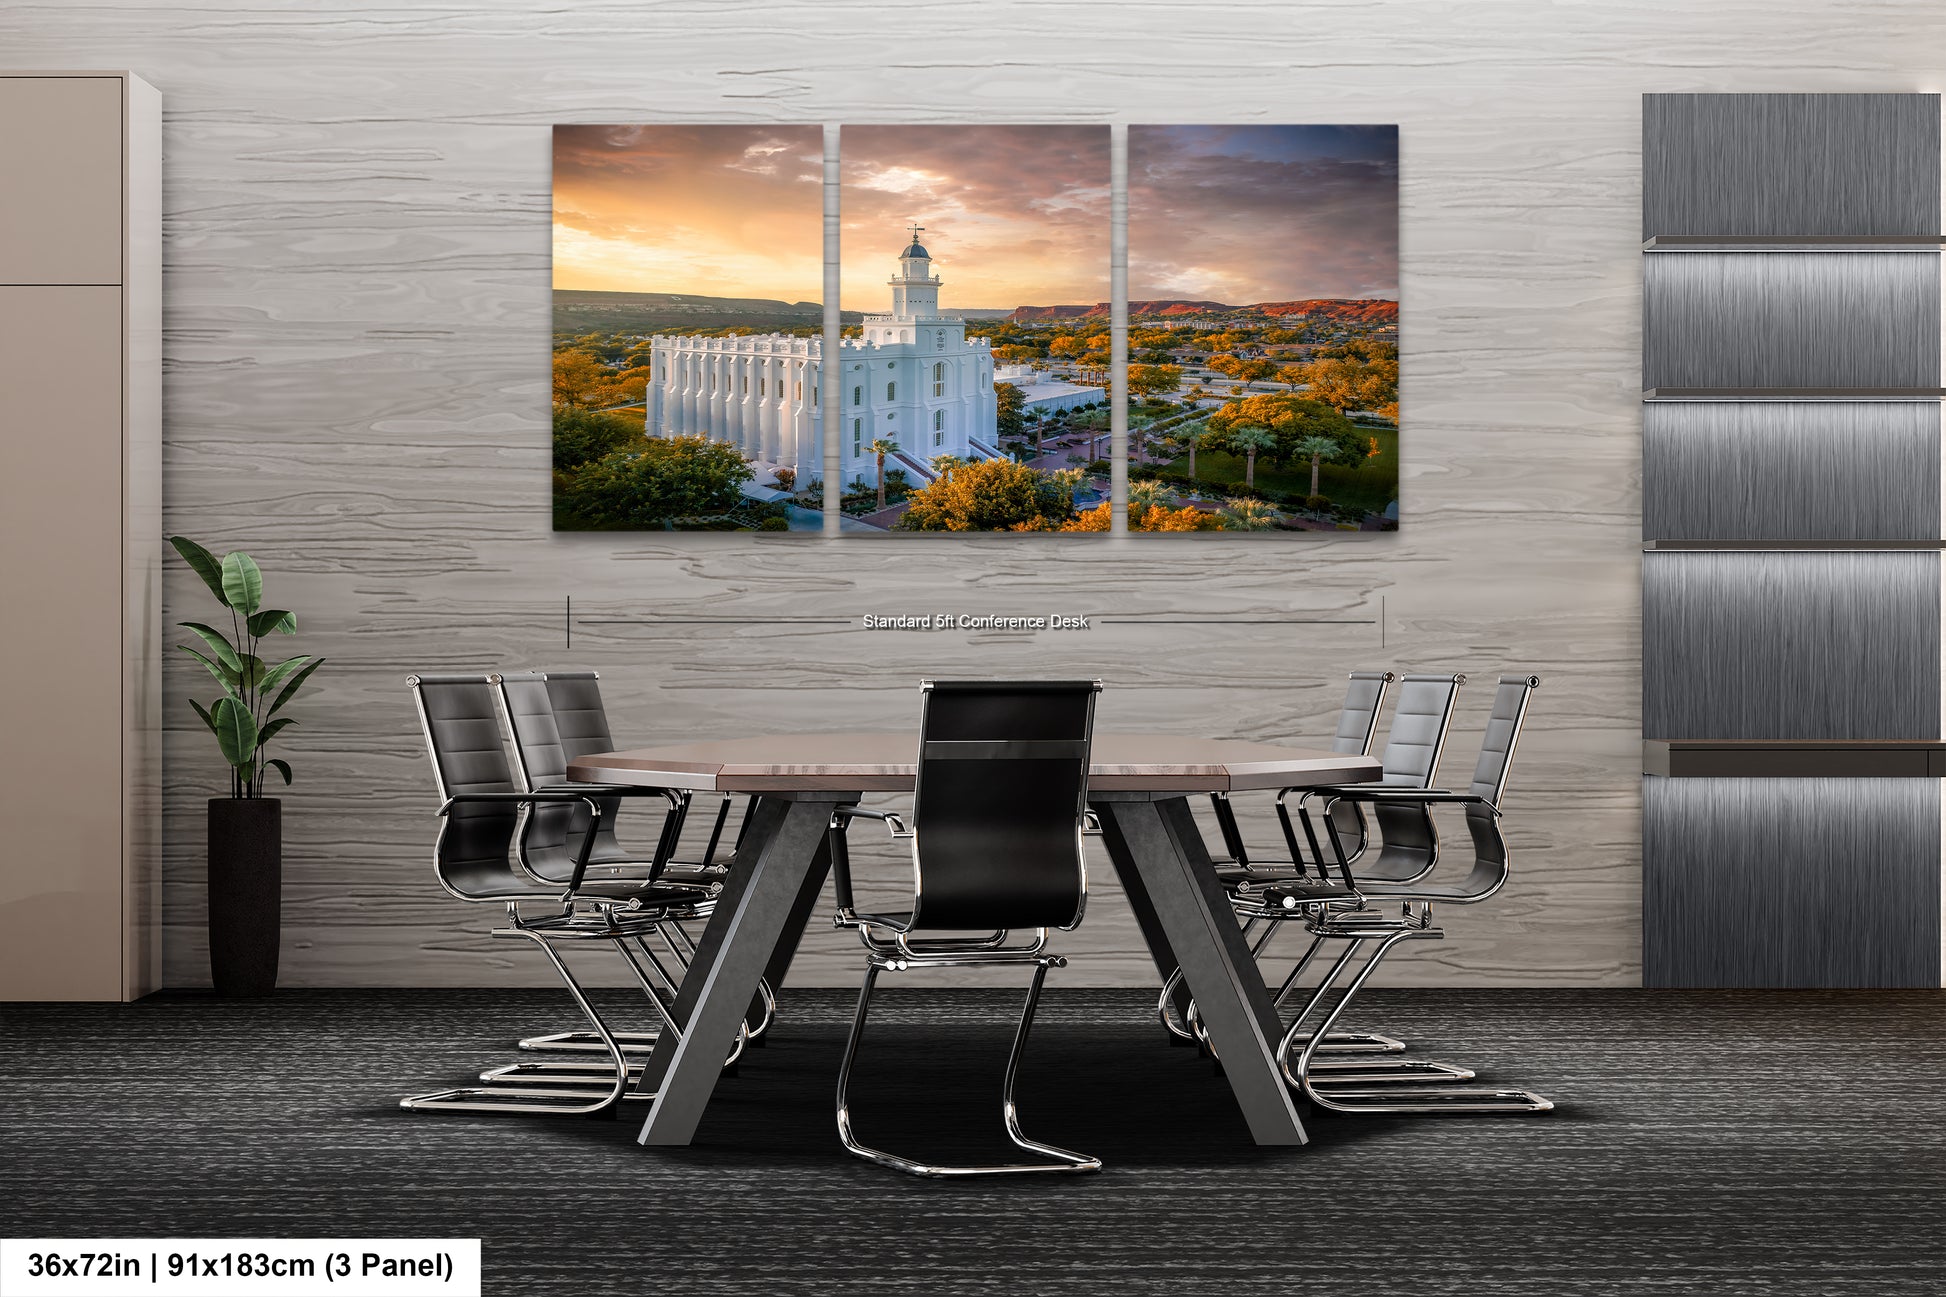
(246, 883)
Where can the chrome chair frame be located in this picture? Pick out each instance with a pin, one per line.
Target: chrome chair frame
(893, 943)
(620, 912)
(1358, 926)
(536, 730)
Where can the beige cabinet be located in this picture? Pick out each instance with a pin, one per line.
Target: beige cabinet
(80, 535)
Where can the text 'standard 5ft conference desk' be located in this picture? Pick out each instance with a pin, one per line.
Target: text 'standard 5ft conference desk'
(1139, 785)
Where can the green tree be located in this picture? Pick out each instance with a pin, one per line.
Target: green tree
(1253, 371)
(991, 495)
(664, 478)
(1250, 442)
(583, 436)
(1357, 382)
(1319, 449)
(1247, 515)
(1010, 406)
(1153, 380)
(1289, 418)
(881, 447)
(579, 378)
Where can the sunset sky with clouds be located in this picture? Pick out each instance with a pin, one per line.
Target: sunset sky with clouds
(1014, 215)
(1242, 214)
(722, 211)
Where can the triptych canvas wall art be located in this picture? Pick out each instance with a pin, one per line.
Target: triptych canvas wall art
(974, 385)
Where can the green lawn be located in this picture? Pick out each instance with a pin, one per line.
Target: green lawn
(1369, 485)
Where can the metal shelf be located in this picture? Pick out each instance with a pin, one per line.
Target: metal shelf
(1887, 546)
(1794, 758)
(1794, 393)
(1794, 243)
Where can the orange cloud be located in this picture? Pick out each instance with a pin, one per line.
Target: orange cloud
(1014, 215)
(722, 211)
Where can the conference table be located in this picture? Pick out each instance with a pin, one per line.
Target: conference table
(1139, 785)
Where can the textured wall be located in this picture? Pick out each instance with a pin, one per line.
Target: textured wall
(1791, 882)
(1776, 471)
(357, 279)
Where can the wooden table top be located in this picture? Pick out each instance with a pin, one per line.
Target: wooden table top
(1152, 763)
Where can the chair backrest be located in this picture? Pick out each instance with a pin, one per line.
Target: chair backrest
(539, 707)
(462, 731)
(1357, 724)
(1490, 857)
(1413, 746)
(997, 808)
(1417, 738)
(1358, 719)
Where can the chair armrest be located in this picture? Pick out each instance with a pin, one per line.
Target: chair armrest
(1420, 796)
(552, 795)
(844, 814)
(669, 795)
(1090, 824)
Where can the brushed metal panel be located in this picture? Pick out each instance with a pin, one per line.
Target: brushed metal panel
(1790, 645)
(1725, 319)
(1791, 882)
(1782, 471)
(1790, 164)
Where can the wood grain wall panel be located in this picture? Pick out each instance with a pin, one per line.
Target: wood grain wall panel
(1753, 164)
(1778, 471)
(1768, 320)
(1791, 882)
(357, 328)
(1791, 645)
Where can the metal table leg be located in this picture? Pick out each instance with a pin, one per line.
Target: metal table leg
(758, 902)
(1159, 853)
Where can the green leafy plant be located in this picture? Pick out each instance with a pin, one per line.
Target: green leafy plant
(244, 719)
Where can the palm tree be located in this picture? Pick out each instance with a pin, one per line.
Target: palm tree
(882, 447)
(1247, 515)
(1145, 495)
(1068, 481)
(1250, 441)
(1317, 448)
(944, 464)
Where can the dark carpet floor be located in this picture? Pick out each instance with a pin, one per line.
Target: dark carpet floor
(1719, 1143)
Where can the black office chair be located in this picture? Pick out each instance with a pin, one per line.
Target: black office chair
(998, 813)
(556, 717)
(1358, 925)
(475, 860)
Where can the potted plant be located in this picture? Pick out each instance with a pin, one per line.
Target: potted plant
(246, 848)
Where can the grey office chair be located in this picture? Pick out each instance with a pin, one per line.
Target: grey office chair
(556, 717)
(1357, 925)
(474, 860)
(998, 814)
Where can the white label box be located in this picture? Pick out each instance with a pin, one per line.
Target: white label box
(239, 1267)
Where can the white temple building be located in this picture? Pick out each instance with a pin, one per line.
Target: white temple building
(1046, 392)
(914, 378)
